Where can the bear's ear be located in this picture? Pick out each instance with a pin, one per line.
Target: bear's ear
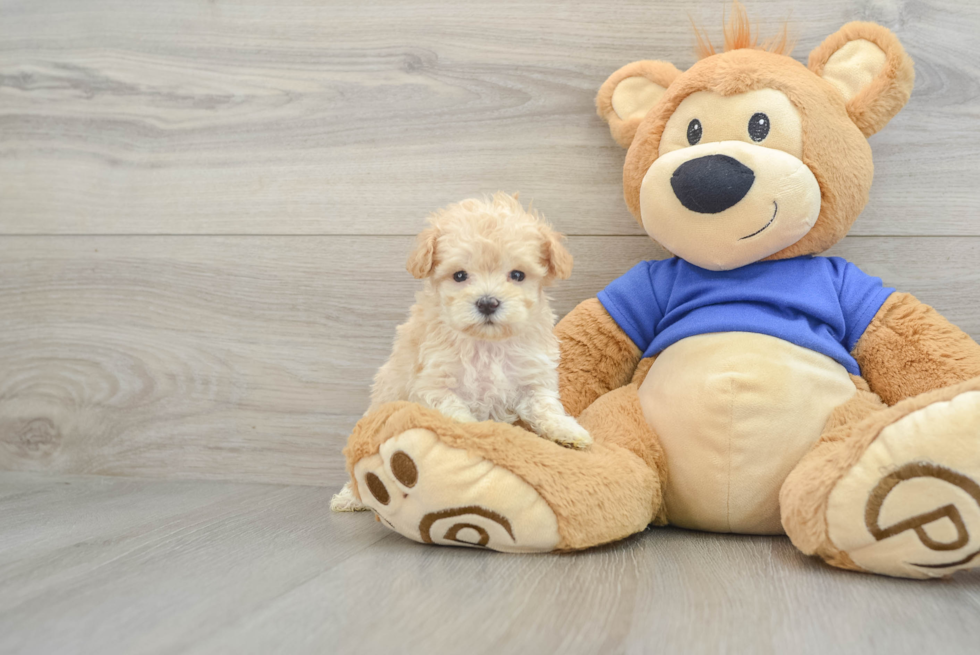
(869, 67)
(629, 93)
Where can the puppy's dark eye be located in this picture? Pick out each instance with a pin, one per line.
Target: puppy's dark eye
(517, 276)
(459, 276)
(694, 132)
(759, 126)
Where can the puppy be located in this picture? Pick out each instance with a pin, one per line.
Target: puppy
(479, 342)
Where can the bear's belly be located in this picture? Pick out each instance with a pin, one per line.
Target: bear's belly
(735, 412)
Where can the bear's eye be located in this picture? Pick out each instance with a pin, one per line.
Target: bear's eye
(517, 276)
(759, 126)
(694, 132)
(459, 276)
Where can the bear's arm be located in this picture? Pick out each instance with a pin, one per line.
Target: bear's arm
(909, 348)
(596, 356)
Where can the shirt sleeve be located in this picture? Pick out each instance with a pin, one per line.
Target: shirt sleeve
(632, 303)
(861, 296)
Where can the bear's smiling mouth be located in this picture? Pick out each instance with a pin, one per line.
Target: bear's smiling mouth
(774, 212)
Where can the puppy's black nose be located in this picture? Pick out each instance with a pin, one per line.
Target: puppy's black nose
(487, 305)
(711, 184)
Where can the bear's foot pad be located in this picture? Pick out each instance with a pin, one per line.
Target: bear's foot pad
(432, 493)
(910, 507)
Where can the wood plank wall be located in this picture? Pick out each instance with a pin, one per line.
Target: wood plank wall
(205, 207)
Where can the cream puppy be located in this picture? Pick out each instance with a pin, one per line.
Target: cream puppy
(479, 342)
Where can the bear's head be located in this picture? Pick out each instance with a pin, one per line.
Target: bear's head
(749, 154)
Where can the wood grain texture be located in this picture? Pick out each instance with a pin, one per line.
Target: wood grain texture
(122, 566)
(250, 358)
(154, 342)
(331, 117)
(205, 207)
(93, 566)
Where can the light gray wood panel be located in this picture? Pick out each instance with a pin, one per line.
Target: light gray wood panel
(331, 117)
(122, 566)
(228, 568)
(249, 358)
(664, 591)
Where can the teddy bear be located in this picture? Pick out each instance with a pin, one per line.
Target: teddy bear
(746, 384)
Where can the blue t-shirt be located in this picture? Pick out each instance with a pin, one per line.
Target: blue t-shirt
(821, 303)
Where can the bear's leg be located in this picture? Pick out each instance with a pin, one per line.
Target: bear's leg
(501, 487)
(892, 490)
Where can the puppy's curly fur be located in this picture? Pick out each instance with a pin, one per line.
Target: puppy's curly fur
(497, 364)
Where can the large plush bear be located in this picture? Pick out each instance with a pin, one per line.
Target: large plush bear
(745, 384)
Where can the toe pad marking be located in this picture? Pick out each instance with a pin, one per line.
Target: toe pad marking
(918, 522)
(404, 469)
(910, 506)
(425, 525)
(377, 488)
(434, 493)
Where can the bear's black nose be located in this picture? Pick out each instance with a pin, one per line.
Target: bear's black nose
(487, 305)
(711, 184)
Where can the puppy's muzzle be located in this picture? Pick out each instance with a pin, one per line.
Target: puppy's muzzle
(487, 305)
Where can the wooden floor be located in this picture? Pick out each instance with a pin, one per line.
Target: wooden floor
(205, 209)
(112, 565)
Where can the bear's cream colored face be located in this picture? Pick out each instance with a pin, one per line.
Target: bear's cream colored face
(729, 186)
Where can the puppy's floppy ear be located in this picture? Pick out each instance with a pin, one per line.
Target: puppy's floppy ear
(554, 254)
(629, 93)
(423, 258)
(866, 63)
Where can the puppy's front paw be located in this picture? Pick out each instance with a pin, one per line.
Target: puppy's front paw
(565, 431)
